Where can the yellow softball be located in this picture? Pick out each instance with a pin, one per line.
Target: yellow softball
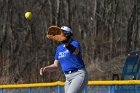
(28, 15)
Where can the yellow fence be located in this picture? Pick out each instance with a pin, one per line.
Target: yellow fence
(59, 84)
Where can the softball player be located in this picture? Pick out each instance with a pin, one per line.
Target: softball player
(68, 55)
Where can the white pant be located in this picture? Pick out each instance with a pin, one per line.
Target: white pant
(76, 82)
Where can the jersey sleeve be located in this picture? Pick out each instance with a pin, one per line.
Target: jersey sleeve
(77, 45)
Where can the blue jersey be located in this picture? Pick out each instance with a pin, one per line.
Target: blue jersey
(68, 60)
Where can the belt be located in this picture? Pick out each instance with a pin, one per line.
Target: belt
(71, 71)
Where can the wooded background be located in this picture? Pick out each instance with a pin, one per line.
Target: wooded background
(106, 29)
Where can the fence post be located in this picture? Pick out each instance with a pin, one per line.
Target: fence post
(59, 89)
(112, 89)
(1, 90)
(29, 90)
(85, 90)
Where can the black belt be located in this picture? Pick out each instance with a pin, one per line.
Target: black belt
(71, 71)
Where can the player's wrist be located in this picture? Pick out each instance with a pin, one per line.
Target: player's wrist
(45, 69)
(71, 48)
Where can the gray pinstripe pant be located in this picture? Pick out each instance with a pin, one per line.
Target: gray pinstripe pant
(76, 82)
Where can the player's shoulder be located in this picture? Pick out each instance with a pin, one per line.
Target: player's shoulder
(75, 42)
